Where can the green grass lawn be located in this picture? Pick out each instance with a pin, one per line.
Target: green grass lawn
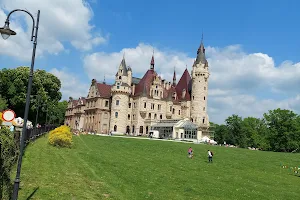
(120, 168)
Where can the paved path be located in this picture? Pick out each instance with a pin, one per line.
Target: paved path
(145, 138)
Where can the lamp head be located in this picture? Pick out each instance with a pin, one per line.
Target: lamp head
(6, 32)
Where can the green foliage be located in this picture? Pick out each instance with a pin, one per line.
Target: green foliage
(57, 112)
(61, 137)
(279, 130)
(45, 91)
(3, 104)
(8, 157)
(119, 168)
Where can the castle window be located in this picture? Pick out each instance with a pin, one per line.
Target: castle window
(141, 129)
(160, 116)
(128, 116)
(203, 120)
(120, 77)
(178, 112)
(152, 106)
(121, 71)
(116, 114)
(118, 87)
(117, 102)
(170, 108)
(204, 97)
(149, 115)
(193, 97)
(203, 108)
(115, 128)
(106, 103)
(173, 111)
(192, 120)
(129, 105)
(155, 116)
(134, 105)
(133, 117)
(145, 105)
(158, 106)
(156, 86)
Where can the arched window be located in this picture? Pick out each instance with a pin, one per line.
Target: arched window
(115, 128)
(116, 114)
(120, 77)
(160, 117)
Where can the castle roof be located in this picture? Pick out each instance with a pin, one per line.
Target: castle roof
(145, 82)
(184, 84)
(104, 90)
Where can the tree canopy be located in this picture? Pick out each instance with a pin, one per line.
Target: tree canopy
(278, 130)
(45, 94)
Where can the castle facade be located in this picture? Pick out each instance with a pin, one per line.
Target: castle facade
(131, 104)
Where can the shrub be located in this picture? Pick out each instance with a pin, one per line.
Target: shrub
(8, 157)
(61, 137)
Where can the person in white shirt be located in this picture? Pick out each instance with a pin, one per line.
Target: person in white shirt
(210, 155)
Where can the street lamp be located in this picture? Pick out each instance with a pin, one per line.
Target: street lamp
(6, 32)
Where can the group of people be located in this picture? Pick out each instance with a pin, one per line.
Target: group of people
(209, 154)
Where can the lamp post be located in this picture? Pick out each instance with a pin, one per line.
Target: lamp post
(6, 32)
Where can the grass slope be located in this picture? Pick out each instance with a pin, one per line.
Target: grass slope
(118, 168)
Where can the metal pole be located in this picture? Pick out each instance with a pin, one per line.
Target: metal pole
(17, 179)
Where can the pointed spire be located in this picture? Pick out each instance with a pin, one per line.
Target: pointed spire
(104, 80)
(123, 66)
(152, 61)
(174, 77)
(201, 52)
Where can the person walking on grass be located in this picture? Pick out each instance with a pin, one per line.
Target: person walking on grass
(210, 155)
(190, 152)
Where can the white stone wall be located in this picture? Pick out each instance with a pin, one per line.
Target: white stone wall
(200, 77)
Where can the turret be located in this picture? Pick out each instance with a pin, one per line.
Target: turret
(200, 75)
(120, 99)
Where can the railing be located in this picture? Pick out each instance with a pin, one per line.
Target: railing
(33, 133)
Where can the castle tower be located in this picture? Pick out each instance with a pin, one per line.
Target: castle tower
(120, 99)
(200, 75)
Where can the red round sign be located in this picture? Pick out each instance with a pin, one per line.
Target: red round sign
(8, 115)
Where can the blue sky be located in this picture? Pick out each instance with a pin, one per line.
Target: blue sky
(246, 43)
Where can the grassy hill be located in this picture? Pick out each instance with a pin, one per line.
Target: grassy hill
(120, 168)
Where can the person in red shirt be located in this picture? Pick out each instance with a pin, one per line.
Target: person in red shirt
(190, 152)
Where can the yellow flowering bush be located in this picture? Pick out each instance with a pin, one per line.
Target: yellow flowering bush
(61, 136)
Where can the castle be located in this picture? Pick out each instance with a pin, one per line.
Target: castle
(131, 104)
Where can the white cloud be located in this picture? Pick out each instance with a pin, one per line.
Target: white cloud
(60, 21)
(98, 64)
(71, 84)
(236, 83)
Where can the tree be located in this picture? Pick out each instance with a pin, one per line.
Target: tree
(57, 112)
(256, 132)
(221, 134)
(235, 134)
(284, 126)
(3, 104)
(13, 87)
